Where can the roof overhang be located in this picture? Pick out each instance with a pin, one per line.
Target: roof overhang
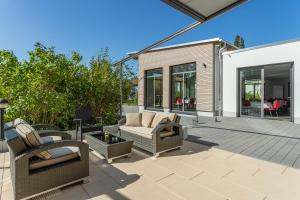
(203, 10)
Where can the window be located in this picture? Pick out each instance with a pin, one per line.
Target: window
(154, 89)
(183, 87)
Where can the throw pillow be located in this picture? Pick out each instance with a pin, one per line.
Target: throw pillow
(147, 118)
(133, 119)
(31, 138)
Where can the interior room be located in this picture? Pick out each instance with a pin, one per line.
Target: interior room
(277, 97)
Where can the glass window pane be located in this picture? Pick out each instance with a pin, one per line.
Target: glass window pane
(184, 68)
(190, 91)
(177, 92)
(184, 87)
(154, 72)
(251, 91)
(158, 92)
(154, 89)
(150, 92)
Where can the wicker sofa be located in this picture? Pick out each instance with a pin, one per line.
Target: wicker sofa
(162, 137)
(32, 176)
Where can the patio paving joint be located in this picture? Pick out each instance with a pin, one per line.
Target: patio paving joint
(226, 174)
(165, 177)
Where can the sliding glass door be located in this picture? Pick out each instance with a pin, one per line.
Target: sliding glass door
(267, 92)
(154, 89)
(183, 87)
(251, 92)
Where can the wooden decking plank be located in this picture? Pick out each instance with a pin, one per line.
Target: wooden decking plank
(272, 151)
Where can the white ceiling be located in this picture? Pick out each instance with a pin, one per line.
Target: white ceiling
(207, 7)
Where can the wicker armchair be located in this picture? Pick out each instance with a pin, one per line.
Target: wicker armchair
(157, 143)
(44, 130)
(85, 122)
(30, 180)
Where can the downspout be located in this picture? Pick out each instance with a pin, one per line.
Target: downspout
(220, 82)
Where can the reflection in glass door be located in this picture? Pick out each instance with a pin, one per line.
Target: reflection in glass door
(251, 92)
(184, 87)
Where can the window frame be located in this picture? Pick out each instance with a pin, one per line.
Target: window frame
(171, 87)
(146, 89)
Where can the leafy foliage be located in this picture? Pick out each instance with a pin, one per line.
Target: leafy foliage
(239, 42)
(49, 87)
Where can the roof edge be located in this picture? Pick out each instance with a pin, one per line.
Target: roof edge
(217, 39)
(262, 46)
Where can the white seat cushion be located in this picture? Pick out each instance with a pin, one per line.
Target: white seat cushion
(58, 155)
(141, 131)
(48, 139)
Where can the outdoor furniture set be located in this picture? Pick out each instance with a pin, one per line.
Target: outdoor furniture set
(43, 158)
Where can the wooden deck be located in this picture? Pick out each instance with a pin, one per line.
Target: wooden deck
(271, 140)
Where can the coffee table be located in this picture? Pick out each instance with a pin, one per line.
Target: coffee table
(109, 145)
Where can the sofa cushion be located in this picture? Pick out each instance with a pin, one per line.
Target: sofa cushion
(166, 133)
(31, 138)
(141, 131)
(58, 155)
(158, 118)
(171, 117)
(147, 118)
(133, 119)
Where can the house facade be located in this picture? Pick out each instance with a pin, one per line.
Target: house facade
(181, 78)
(262, 82)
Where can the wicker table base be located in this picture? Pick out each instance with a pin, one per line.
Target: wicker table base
(108, 145)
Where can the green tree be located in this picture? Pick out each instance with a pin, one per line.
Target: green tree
(49, 87)
(239, 42)
(104, 96)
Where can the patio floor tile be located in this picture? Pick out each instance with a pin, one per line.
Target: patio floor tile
(194, 172)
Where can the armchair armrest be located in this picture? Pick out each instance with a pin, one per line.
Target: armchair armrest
(45, 127)
(83, 148)
(122, 121)
(62, 134)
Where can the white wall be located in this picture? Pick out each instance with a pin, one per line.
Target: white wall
(265, 55)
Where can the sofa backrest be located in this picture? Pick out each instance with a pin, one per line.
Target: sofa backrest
(15, 143)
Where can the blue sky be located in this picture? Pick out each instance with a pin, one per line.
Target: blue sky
(123, 26)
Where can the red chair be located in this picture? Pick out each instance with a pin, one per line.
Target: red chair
(274, 107)
(191, 103)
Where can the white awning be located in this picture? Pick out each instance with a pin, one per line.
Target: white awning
(203, 10)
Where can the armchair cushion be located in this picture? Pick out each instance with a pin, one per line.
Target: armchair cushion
(19, 121)
(31, 138)
(147, 118)
(133, 119)
(58, 155)
(48, 139)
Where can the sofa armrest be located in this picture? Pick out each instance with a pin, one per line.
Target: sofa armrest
(62, 134)
(175, 127)
(83, 148)
(45, 127)
(122, 121)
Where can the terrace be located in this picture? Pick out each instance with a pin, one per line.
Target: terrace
(196, 170)
(231, 159)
